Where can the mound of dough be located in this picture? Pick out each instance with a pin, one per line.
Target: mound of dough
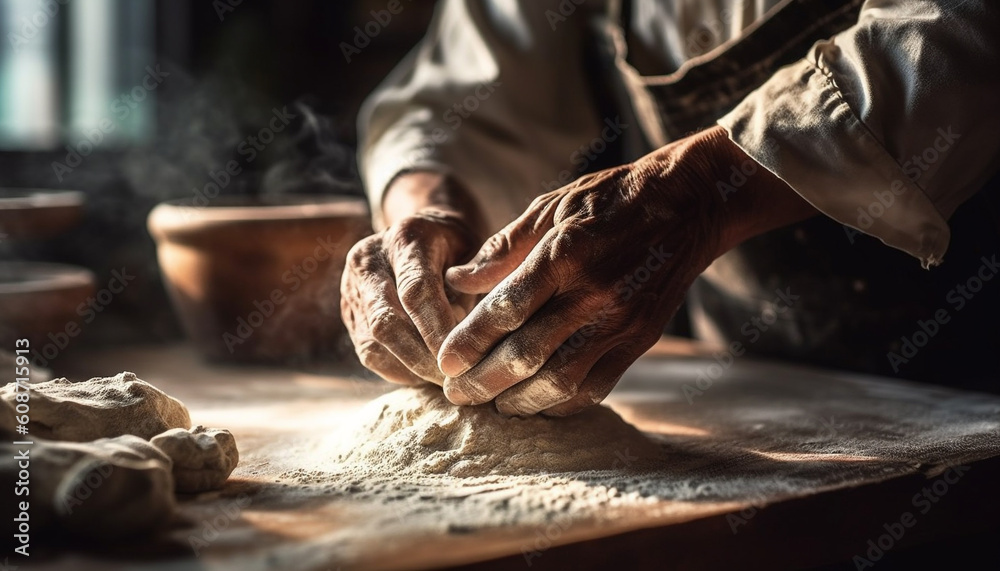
(107, 489)
(203, 457)
(100, 408)
(417, 431)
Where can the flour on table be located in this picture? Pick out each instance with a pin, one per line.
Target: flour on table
(412, 459)
(417, 431)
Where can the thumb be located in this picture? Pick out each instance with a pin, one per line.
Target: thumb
(503, 251)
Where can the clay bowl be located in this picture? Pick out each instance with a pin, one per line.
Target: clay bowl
(44, 303)
(258, 279)
(37, 213)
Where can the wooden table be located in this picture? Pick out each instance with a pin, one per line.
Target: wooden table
(265, 523)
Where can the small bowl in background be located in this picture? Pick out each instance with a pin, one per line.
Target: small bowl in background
(28, 213)
(44, 303)
(258, 279)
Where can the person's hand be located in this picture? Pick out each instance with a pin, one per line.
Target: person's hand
(393, 297)
(584, 281)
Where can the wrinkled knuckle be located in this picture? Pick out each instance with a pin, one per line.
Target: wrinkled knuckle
(542, 200)
(414, 290)
(499, 302)
(366, 256)
(501, 310)
(569, 247)
(356, 255)
(562, 384)
(496, 245)
(384, 324)
(370, 354)
(521, 360)
(612, 314)
(412, 229)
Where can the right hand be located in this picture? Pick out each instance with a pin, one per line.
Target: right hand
(393, 298)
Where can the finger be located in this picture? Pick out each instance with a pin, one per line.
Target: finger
(373, 355)
(505, 250)
(381, 361)
(556, 382)
(522, 353)
(388, 323)
(419, 268)
(601, 379)
(506, 308)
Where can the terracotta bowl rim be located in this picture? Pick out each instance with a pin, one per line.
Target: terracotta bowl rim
(12, 198)
(42, 277)
(180, 214)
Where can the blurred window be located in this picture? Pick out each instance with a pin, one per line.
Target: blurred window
(68, 66)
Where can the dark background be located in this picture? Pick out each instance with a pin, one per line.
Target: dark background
(232, 62)
(229, 66)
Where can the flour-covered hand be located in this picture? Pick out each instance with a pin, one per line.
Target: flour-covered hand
(393, 297)
(582, 283)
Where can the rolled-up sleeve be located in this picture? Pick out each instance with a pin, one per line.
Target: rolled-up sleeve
(495, 96)
(890, 125)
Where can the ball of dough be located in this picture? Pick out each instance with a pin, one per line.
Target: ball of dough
(203, 457)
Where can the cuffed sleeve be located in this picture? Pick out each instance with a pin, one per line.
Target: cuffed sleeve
(888, 126)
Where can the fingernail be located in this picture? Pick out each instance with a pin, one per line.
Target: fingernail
(508, 409)
(454, 394)
(452, 365)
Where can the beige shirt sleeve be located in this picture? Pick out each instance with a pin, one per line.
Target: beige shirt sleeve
(890, 125)
(495, 95)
